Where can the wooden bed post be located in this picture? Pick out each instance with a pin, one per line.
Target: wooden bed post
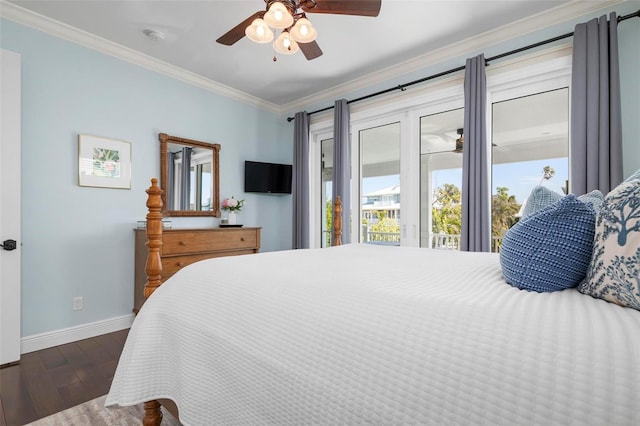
(152, 414)
(337, 222)
(153, 266)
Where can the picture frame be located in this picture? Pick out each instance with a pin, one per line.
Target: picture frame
(104, 162)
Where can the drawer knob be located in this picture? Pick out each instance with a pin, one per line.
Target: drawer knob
(180, 264)
(183, 243)
(241, 238)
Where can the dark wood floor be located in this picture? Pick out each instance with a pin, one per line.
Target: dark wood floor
(58, 378)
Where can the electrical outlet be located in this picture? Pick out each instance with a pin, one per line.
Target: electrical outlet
(77, 303)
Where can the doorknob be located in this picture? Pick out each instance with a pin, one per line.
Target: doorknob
(9, 245)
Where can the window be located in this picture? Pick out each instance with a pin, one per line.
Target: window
(441, 138)
(530, 143)
(380, 184)
(326, 191)
(407, 171)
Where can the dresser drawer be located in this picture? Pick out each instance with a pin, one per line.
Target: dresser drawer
(172, 264)
(197, 242)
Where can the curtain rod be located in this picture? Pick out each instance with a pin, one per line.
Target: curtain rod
(403, 87)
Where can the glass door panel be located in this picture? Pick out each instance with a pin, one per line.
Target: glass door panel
(441, 141)
(380, 184)
(530, 143)
(326, 182)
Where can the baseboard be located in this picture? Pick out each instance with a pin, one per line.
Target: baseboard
(72, 334)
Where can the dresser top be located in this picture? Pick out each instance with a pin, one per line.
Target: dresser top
(225, 229)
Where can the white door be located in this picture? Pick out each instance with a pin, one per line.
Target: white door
(9, 207)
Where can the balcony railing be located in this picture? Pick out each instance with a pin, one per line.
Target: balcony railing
(386, 238)
(438, 241)
(452, 242)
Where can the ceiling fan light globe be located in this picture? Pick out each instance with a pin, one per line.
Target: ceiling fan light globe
(303, 31)
(285, 45)
(278, 16)
(259, 32)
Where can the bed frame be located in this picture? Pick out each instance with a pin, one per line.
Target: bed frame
(153, 268)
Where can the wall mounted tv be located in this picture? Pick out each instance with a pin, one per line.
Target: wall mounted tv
(268, 178)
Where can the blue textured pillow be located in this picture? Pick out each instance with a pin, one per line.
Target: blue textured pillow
(551, 249)
(595, 198)
(539, 198)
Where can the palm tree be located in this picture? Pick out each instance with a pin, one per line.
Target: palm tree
(504, 208)
(547, 173)
(446, 210)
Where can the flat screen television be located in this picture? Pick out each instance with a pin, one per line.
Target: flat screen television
(268, 178)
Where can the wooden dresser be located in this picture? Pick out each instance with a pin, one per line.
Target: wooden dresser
(181, 247)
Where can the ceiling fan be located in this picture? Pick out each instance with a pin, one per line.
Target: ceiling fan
(290, 17)
(459, 142)
(459, 146)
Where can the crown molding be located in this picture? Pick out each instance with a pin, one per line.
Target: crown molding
(506, 32)
(58, 29)
(467, 46)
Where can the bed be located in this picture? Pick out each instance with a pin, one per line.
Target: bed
(364, 334)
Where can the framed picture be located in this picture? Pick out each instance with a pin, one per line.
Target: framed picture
(104, 162)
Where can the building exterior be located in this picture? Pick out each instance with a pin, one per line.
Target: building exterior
(385, 200)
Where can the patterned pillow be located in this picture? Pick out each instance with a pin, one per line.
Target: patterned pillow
(540, 197)
(551, 249)
(595, 198)
(614, 272)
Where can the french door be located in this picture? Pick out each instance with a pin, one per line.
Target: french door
(378, 163)
(406, 174)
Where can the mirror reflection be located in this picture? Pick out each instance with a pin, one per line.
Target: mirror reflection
(189, 176)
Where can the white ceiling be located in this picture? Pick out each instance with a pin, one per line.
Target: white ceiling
(354, 47)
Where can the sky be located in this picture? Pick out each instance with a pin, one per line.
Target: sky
(520, 177)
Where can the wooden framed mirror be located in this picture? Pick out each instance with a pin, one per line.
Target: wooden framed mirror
(192, 191)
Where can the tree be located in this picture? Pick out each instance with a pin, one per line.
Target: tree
(547, 173)
(446, 210)
(381, 214)
(384, 228)
(504, 208)
(328, 208)
(448, 195)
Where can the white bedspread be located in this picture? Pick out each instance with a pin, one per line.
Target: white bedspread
(364, 334)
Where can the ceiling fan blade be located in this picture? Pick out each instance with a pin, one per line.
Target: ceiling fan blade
(310, 50)
(237, 32)
(343, 7)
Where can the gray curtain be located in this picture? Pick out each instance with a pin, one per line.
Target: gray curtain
(300, 184)
(342, 164)
(185, 181)
(596, 124)
(476, 208)
(171, 173)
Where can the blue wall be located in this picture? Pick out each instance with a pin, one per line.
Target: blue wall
(78, 241)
